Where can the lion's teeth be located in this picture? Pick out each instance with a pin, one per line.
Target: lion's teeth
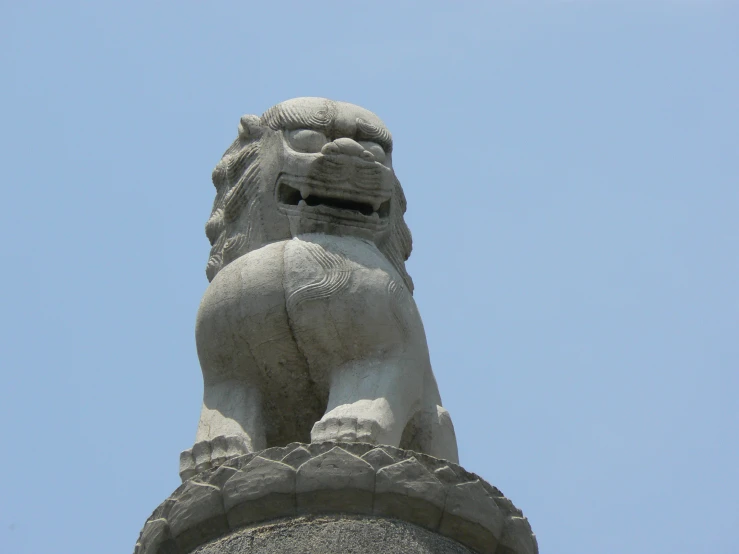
(376, 205)
(375, 216)
(302, 204)
(304, 192)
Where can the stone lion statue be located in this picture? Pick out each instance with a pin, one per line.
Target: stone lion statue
(308, 331)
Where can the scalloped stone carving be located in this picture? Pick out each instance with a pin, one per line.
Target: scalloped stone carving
(352, 479)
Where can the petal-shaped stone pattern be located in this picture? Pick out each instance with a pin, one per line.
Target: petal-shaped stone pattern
(340, 478)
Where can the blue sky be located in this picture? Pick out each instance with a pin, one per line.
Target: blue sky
(572, 172)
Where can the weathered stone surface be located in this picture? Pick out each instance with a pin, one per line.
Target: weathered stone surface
(219, 476)
(309, 323)
(187, 465)
(472, 513)
(162, 511)
(223, 448)
(156, 538)
(408, 491)
(197, 515)
(517, 537)
(264, 489)
(276, 453)
(335, 481)
(309, 332)
(297, 457)
(506, 505)
(446, 475)
(378, 458)
(210, 454)
(335, 535)
(255, 490)
(240, 462)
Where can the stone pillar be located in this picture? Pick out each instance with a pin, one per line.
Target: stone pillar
(334, 498)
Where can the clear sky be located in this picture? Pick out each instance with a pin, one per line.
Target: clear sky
(572, 172)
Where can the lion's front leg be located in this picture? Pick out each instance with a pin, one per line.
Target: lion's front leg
(232, 408)
(370, 401)
(231, 424)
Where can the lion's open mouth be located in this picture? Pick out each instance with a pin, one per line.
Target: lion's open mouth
(309, 197)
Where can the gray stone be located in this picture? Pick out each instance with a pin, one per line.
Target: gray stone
(309, 322)
(218, 476)
(210, 454)
(162, 511)
(378, 458)
(507, 506)
(201, 454)
(197, 515)
(335, 481)
(517, 537)
(240, 462)
(187, 465)
(264, 489)
(297, 457)
(319, 397)
(446, 475)
(223, 448)
(334, 535)
(359, 449)
(254, 490)
(156, 538)
(470, 512)
(408, 491)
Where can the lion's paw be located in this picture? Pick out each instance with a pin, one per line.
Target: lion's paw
(346, 429)
(210, 454)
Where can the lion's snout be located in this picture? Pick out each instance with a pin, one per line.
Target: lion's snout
(342, 163)
(347, 147)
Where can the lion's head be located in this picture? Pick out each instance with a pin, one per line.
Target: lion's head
(308, 165)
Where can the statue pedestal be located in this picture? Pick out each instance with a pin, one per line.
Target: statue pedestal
(336, 498)
(334, 534)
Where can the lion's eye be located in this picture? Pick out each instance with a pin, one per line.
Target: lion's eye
(306, 140)
(375, 148)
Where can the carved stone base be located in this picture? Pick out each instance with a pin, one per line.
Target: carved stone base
(334, 534)
(307, 497)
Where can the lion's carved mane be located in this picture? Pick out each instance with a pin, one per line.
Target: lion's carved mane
(231, 226)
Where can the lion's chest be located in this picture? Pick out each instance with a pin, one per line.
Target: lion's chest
(344, 299)
(324, 299)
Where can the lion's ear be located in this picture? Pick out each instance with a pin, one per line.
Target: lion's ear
(249, 127)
